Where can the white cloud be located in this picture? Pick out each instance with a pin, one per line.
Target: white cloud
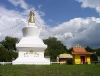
(83, 31)
(50, 20)
(92, 4)
(12, 22)
(20, 3)
(41, 13)
(77, 31)
(10, 18)
(0, 34)
(40, 6)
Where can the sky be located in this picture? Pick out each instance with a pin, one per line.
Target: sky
(70, 21)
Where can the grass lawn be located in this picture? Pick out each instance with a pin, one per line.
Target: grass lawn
(50, 70)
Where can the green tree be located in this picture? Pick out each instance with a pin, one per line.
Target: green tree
(89, 49)
(9, 43)
(55, 47)
(70, 50)
(97, 52)
(93, 56)
(6, 55)
(3, 54)
(46, 53)
(12, 55)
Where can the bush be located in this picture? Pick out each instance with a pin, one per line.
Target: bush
(69, 61)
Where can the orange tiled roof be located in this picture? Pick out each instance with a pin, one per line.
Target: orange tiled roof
(79, 49)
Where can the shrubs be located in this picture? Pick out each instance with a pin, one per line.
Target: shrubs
(69, 61)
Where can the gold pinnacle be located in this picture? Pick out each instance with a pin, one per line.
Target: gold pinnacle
(31, 18)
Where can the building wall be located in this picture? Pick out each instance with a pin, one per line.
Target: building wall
(88, 59)
(77, 59)
(64, 60)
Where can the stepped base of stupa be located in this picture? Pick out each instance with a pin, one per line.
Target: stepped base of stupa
(32, 61)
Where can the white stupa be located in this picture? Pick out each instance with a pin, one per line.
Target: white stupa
(31, 47)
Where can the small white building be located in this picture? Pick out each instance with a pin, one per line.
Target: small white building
(63, 58)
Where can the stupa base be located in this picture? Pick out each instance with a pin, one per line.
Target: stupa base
(27, 61)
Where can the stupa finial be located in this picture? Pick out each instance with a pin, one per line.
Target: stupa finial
(77, 45)
(31, 18)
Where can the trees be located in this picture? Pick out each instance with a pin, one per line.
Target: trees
(7, 48)
(9, 43)
(97, 52)
(55, 47)
(89, 49)
(93, 56)
(6, 55)
(3, 54)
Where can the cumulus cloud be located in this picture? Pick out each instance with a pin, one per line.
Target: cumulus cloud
(13, 21)
(83, 31)
(77, 31)
(0, 34)
(20, 3)
(92, 4)
(10, 21)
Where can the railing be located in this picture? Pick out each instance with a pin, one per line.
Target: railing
(57, 62)
(4, 63)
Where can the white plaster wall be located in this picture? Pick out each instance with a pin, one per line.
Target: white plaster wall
(31, 40)
(31, 31)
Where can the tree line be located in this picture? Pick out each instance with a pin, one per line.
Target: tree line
(55, 47)
(8, 49)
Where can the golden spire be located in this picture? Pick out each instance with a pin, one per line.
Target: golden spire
(31, 19)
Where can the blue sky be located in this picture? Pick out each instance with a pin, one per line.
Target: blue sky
(71, 21)
(58, 11)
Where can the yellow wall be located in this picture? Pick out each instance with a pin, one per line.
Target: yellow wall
(77, 59)
(88, 60)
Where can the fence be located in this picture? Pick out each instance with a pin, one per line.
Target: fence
(4, 63)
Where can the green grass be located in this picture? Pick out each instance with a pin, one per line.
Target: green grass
(50, 70)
